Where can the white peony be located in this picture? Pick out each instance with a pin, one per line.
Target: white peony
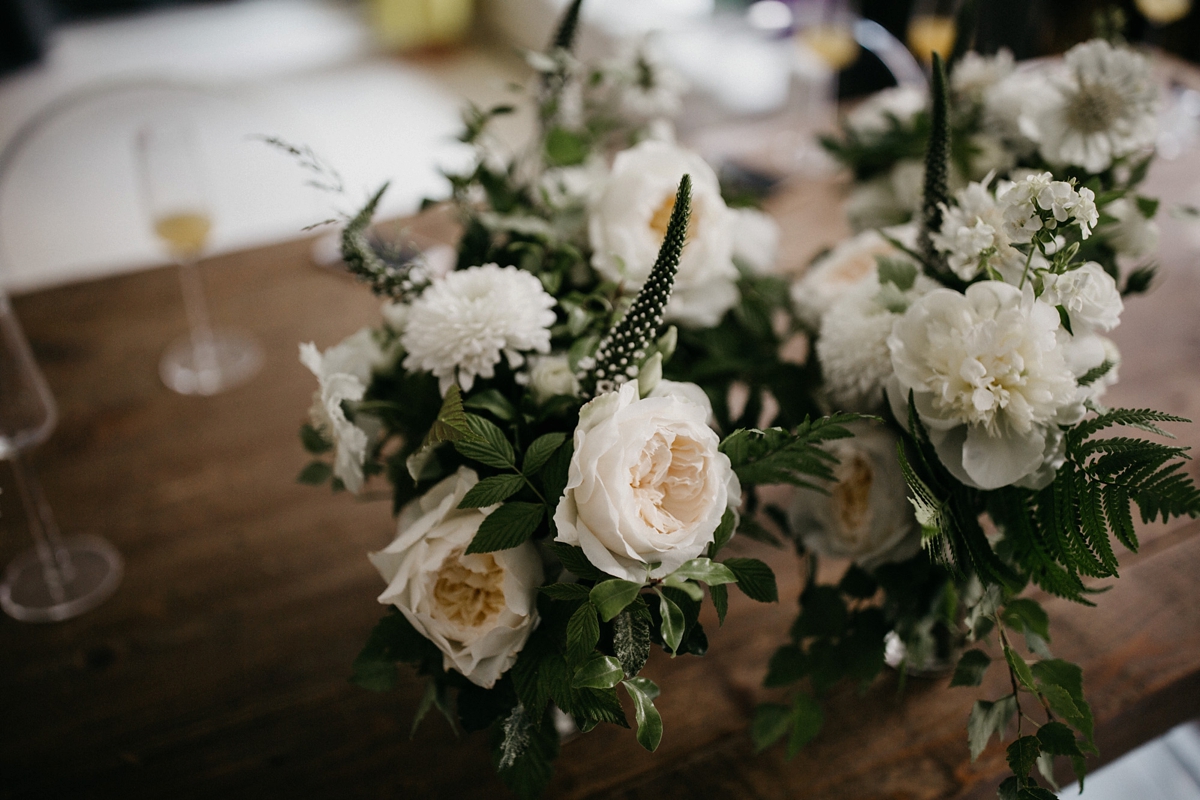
(848, 264)
(478, 609)
(1090, 296)
(878, 114)
(1130, 232)
(755, 240)
(988, 378)
(629, 220)
(461, 326)
(974, 74)
(550, 376)
(866, 517)
(1102, 108)
(646, 485)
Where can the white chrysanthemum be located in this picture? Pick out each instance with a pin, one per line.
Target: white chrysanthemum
(1090, 296)
(461, 326)
(988, 378)
(848, 264)
(336, 385)
(1103, 108)
(1131, 233)
(974, 224)
(755, 240)
(974, 74)
(879, 113)
(629, 220)
(852, 346)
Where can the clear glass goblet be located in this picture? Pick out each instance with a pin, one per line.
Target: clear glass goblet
(60, 576)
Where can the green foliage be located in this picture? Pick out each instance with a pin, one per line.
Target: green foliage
(631, 638)
(724, 532)
(315, 473)
(492, 490)
(720, 599)
(540, 451)
(583, 632)
(611, 597)
(402, 281)
(598, 672)
(508, 526)
(673, 622)
(487, 445)
(937, 167)
(706, 571)
(574, 561)
(393, 640)
(649, 722)
(972, 666)
(807, 718)
(314, 441)
(524, 752)
(989, 719)
(568, 24)
(778, 456)
(754, 578)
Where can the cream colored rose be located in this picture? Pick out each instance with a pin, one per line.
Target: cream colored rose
(478, 609)
(628, 221)
(847, 265)
(866, 516)
(646, 484)
(550, 376)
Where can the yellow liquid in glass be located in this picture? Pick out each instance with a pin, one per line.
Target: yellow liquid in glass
(929, 34)
(834, 44)
(185, 234)
(1164, 11)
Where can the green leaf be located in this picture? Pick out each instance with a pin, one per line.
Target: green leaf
(598, 672)
(566, 591)
(988, 719)
(490, 491)
(1059, 740)
(1008, 788)
(1022, 754)
(649, 721)
(313, 441)
(724, 532)
(612, 596)
(706, 571)
(807, 719)
(316, 473)
(1019, 668)
(631, 638)
(857, 582)
(393, 639)
(1069, 677)
(673, 622)
(779, 456)
(493, 402)
(427, 700)
(1064, 318)
(556, 472)
(898, 271)
(451, 423)
(971, 668)
(754, 578)
(690, 588)
(583, 632)
(787, 665)
(540, 451)
(720, 599)
(575, 562)
(1027, 617)
(516, 729)
(508, 526)
(488, 445)
(565, 148)
(598, 705)
(771, 722)
(1035, 793)
(529, 772)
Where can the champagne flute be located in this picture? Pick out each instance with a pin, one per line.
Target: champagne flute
(60, 577)
(932, 29)
(204, 362)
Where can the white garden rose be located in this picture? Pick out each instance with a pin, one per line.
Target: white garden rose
(848, 264)
(988, 378)
(1090, 296)
(550, 376)
(629, 220)
(866, 516)
(646, 484)
(479, 609)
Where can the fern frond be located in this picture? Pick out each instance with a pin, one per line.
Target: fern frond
(1142, 418)
(777, 456)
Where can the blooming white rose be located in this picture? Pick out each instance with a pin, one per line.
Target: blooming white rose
(461, 326)
(479, 609)
(755, 240)
(1090, 296)
(866, 516)
(988, 378)
(646, 485)
(629, 220)
(848, 264)
(550, 376)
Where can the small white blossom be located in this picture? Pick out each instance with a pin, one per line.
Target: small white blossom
(550, 376)
(337, 386)
(642, 85)
(1090, 296)
(461, 326)
(974, 224)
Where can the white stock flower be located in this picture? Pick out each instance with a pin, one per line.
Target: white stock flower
(629, 220)
(988, 378)
(550, 376)
(461, 326)
(974, 74)
(336, 386)
(1102, 108)
(1131, 233)
(848, 264)
(646, 484)
(866, 517)
(478, 609)
(755, 240)
(1022, 202)
(897, 105)
(1090, 296)
(972, 225)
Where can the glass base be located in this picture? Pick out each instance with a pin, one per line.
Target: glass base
(233, 360)
(95, 573)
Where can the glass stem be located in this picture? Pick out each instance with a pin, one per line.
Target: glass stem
(195, 306)
(56, 561)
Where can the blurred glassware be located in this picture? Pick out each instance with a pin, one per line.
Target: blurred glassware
(205, 362)
(1164, 12)
(60, 577)
(932, 28)
(411, 24)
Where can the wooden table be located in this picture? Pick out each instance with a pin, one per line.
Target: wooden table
(221, 666)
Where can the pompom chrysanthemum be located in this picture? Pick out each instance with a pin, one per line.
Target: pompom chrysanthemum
(460, 327)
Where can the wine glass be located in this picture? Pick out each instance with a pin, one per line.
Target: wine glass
(205, 361)
(60, 577)
(825, 29)
(932, 29)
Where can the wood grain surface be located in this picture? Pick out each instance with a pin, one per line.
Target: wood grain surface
(220, 668)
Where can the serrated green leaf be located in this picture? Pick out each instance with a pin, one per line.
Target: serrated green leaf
(508, 526)
(556, 472)
(540, 451)
(631, 638)
(690, 588)
(316, 473)
(1069, 677)
(1022, 754)
(989, 719)
(598, 672)
(1019, 668)
(575, 561)
(488, 444)
(612, 596)
(493, 402)
(806, 722)
(673, 622)
(771, 722)
(706, 571)
(971, 668)
(720, 599)
(754, 578)
(566, 591)
(649, 721)
(490, 491)
(583, 632)
(1057, 739)
(724, 532)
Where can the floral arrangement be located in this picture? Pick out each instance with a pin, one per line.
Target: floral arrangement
(554, 417)
(978, 332)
